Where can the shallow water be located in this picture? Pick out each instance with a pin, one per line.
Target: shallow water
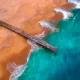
(65, 63)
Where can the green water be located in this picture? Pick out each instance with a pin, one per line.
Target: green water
(65, 63)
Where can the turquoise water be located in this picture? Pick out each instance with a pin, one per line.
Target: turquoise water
(65, 63)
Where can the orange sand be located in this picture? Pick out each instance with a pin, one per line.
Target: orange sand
(24, 14)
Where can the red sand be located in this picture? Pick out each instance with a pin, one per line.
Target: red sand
(24, 14)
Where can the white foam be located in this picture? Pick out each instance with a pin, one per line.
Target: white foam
(15, 70)
(41, 35)
(76, 2)
(48, 24)
(66, 14)
(19, 70)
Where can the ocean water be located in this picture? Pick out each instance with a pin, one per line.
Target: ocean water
(64, 64)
